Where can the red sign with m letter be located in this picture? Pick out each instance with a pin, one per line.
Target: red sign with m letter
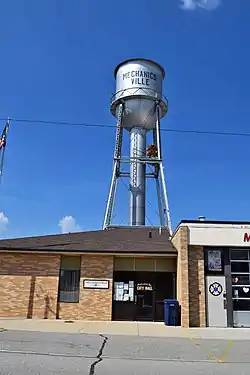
(246, 237)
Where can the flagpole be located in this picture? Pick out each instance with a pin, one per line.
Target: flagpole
(2, 155)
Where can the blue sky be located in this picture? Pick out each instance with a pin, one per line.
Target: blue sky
(57, 61)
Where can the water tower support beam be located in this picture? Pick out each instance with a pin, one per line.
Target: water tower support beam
(116, 171)
(161, 169)
(160, 208)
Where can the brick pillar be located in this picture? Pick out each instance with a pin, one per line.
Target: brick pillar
(197, 313)
(180, 241)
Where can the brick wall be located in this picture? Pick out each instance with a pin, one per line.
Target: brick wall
(28, 285)
(197, 303)
(180, 241)
(190, 280)
(95, 304)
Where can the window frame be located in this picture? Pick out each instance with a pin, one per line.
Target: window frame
(69, 282)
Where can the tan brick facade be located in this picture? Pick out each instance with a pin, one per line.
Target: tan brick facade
(95, 304)
(180, 241)
(29, 287)
(190, 280)
(197, 303)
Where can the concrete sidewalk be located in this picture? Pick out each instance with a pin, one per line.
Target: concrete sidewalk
(143, 329)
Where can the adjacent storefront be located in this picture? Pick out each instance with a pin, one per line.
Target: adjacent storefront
(226, 250)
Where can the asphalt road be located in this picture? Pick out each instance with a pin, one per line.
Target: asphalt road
(33, 353)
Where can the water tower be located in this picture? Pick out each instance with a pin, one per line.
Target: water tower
(138, 105)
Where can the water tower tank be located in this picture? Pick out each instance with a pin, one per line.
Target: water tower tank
(139, 85)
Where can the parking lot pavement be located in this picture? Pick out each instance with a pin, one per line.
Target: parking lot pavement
(23, 353)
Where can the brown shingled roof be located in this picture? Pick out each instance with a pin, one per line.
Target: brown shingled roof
(112, 240)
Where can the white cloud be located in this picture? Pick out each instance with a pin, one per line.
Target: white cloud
(188, 4)
(69, 224)
(205, 4)
(4, 221)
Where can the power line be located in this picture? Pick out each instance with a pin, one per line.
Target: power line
(67, 123)
(50, 122)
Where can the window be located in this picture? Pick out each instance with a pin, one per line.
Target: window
(239, 254)
(123, 291)
(240, 261)
(240, 268)
(242, 292)
(69, 279)
(241, 305)
(240, 279)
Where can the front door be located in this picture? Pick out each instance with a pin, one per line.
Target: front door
(139, 295)
(215, 296)
(144, 300)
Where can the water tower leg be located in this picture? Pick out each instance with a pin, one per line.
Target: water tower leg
(159, 198)
(161, 169)
(111, 198)
(116, 171)
(165, 197)
(137, 176)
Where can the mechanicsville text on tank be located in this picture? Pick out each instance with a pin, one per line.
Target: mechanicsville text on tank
(139, 77)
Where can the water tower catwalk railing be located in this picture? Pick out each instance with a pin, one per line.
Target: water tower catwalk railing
(139, 110)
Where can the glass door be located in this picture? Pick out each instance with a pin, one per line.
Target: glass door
(144, 300)
(123, 299)
(240, 268)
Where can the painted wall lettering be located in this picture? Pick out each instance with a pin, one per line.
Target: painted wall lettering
(246, 237)
(140, 77)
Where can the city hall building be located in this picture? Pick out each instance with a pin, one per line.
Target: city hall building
(125, 273)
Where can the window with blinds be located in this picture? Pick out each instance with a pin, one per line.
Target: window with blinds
(69, 279)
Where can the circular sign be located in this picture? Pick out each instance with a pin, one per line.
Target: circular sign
(215, 289)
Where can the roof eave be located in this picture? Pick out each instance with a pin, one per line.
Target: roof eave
(89, 252)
